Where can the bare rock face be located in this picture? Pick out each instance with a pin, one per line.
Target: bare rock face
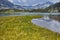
(55, 18)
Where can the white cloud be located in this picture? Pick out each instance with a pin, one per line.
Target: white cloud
(19, 0)
(24, 0)
(25, 5)
(10, 0)
(34, 4)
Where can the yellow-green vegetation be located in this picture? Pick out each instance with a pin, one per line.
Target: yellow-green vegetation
(21, 28)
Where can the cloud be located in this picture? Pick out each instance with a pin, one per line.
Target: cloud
(19, 0)
(24, 5)
(11, 1)
(24, 0)
(31, 2)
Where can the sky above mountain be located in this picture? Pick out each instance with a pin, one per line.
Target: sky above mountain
(31, 2)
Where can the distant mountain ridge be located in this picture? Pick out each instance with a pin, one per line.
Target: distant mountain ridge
(41, 6)
(55, 7)
(6, 3)
(47, 4)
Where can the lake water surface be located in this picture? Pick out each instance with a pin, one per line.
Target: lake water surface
(27, 13)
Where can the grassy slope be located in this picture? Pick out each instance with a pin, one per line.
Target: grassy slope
(21, 28)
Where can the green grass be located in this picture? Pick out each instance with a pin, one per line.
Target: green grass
(21, 28)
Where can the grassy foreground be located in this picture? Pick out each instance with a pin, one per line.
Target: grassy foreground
(21, 28)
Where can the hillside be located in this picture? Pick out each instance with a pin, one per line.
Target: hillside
(54, 8)
(6, 3)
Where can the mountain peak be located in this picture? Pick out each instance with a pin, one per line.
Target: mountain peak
(49, 2)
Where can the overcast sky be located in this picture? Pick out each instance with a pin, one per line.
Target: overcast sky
(31, 2)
